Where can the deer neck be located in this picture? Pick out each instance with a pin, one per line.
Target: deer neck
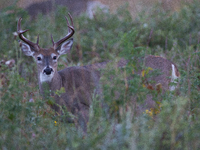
(50, 85)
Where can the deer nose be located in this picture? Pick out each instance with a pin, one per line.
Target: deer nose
(48, 70)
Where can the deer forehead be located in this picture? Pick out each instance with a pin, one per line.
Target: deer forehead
(46, 52)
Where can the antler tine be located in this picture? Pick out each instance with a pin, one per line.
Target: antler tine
(67, 24)
(19, 24)
(72, 26)
(37, 40)
(71, 19)
(52, 40)
(71, 31)
(20, 34)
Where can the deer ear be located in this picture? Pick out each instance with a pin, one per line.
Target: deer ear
(65, 47)
(26, 49)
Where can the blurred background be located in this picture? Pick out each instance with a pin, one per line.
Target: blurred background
(104, 30)
(81, 6)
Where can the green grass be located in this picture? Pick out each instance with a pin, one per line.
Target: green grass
(27, 122)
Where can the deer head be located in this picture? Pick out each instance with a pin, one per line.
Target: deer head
(46, 58)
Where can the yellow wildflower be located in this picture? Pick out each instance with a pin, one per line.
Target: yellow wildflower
(149, 112)
(55, 123)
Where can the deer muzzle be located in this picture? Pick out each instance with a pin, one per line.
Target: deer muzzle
(48, 70)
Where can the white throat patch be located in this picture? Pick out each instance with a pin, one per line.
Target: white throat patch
(46, 78)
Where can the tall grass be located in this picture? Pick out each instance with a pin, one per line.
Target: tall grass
(27, 122)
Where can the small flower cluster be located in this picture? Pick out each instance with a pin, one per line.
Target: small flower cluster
(153, 111)
(55, 123)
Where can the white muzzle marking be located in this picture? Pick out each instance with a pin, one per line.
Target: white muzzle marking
(46, 78)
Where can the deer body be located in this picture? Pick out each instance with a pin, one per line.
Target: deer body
(165, 80)
(80, 85)
(168, 71)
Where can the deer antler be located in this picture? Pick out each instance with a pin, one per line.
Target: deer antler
(20, 34)
(71, 31)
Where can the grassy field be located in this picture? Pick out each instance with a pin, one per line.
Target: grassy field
(27, 122)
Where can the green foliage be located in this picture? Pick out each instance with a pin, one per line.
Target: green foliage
(159, 27)
(28, 122)
(59, 92)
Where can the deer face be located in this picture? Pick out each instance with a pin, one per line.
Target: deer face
(46, 59)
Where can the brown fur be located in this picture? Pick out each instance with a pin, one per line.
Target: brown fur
(161, 82)
(80, 85)
(164, 66)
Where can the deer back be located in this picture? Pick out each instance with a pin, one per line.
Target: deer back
(79, 84)
(167, 71)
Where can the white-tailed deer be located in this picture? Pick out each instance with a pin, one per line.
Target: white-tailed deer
(80, 83)
(167, 78)
(168, 73)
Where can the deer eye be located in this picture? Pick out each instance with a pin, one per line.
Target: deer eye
(39, 58)
(54, 57)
